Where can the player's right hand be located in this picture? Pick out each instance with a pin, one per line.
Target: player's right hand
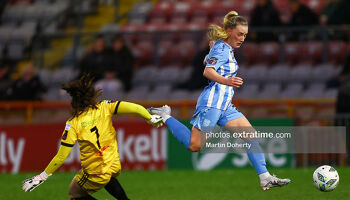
(156, 121)
(31, 183)
(234, 81)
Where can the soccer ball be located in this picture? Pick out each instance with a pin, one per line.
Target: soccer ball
(326, 178)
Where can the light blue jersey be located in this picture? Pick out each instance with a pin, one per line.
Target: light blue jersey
(217, 95)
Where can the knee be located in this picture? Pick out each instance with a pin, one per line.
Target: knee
(194, 147)
(73, 194)
(195, 144)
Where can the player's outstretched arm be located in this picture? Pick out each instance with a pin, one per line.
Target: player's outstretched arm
(211, 74)
(32, 183)
(132, 108)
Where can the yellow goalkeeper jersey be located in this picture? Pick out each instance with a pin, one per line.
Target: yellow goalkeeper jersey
(96, 136)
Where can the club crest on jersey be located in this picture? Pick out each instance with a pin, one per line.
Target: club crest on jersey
(64, 136)
(212, 61)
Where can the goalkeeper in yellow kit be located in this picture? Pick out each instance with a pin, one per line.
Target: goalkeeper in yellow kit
(91, 125)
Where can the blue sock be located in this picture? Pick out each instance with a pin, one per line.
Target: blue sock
(256, 156)
(180, 131)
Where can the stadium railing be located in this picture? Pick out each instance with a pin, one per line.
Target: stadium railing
(22, 112)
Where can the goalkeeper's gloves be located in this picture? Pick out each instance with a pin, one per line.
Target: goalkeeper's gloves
(156, 121)
(31, 183)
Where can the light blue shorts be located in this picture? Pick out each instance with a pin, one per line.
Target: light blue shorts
(205, 117)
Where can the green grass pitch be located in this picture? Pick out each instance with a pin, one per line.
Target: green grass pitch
(186, 184)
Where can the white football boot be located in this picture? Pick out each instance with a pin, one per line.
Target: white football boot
(273, 181)
(163, 111)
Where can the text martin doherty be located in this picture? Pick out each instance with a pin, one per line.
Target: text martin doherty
(227, 145)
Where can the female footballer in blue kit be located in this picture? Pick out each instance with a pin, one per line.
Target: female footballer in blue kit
(214, 104)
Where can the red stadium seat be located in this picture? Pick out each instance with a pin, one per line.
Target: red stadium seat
(144, 52)
(179, 32)
(281, 5)
(222, 8)
(292, 52)
(180, 54)
(175, 58)
(23, 2)
(163, 6)
(315, 5)
(269, 52)
(312, 52)
(180, 19)
(217, 19)
(149, 31)
(199, 20)
(131, 35)
(191, 31)
(170, 32)
(188, 1)
(201, 12)
(160, 12)
(158, 19)
(186, 51)
(246, 7)
(337, 52)
(181, 12)
(139, 32)
(164, 52)
(250, 53)
(242, 7)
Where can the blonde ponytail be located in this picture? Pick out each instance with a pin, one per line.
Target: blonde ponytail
(228, 16)
(231, 20)
(216, 32)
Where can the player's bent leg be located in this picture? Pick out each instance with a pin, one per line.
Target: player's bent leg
(76, 192)
(240, 124)
(195, 144)
(114, 188)
(256, 155)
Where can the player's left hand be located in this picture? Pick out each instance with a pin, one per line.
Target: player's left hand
(156, 121)
(31, 183)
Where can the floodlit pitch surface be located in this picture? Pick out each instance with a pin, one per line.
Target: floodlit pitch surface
(186, 184)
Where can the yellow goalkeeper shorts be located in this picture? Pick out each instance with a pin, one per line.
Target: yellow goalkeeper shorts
(92, 183)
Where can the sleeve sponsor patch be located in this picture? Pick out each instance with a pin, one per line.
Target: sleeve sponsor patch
(212, 61)
(64, 136)
(67, 126)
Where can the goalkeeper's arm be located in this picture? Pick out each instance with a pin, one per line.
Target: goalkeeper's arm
(132, 108)
(56, 162)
